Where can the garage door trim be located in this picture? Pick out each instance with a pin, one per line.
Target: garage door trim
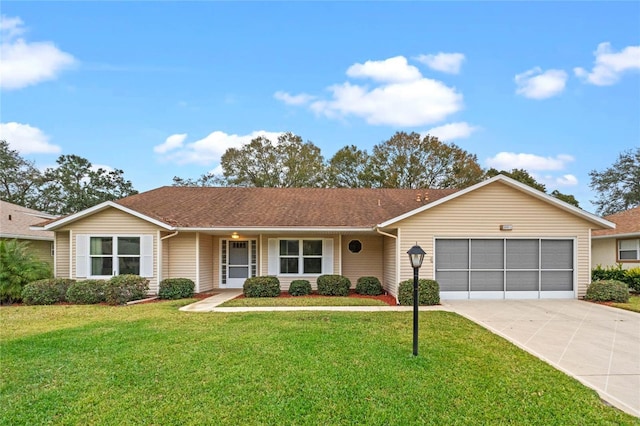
(552, 266)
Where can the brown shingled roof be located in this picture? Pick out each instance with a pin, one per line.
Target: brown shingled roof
(209, 207)
(627, 222)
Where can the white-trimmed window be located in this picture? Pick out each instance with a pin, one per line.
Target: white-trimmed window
(300, 256)
(109, 255)
(628, 250)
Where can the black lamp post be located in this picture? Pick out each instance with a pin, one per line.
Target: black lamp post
(416, 256)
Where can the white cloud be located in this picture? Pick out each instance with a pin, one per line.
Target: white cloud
(391, 70)
(171, 143)
(452, 131)
(399, 96)
(209, 149)
(27, 63)
(289, 99)
(445, 62)
(536, 84)
(27, 139)
(11, 27)
(511, 160)
(609, 65)
(567, 180)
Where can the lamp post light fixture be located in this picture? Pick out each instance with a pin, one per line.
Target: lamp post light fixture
(416, 256)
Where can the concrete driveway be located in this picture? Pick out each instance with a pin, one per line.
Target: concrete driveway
(598, 345)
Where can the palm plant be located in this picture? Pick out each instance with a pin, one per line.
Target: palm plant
(18, 267)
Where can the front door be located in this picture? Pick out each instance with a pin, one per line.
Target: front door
(238, 265)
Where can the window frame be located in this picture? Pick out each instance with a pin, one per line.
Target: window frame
(115, 256)
(637, 250)
(301, 257)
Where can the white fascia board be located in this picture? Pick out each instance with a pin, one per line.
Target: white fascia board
(100, 207)
(627, 235)
(26, 237)
(514, 184)
(285, 229)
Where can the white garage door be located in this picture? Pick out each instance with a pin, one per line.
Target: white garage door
(479, 268)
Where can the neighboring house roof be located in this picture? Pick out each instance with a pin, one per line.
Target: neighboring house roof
(15, 222)
(210, 208)
(627, 224)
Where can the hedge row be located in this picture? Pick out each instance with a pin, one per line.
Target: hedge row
(631, 277)
(116, 291)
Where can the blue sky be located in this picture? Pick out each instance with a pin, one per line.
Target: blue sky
(162, 89)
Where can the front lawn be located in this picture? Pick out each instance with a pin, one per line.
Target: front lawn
(151, 364)
(302, 301)
(632, 305)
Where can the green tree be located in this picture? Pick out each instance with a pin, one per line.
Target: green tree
(75, 185)
(288, 163)
(521, 175)
(348, 168)
(207, 179)
(18, 267)
(567, 198)
(409, 161)
(19, 178)
(618, 186)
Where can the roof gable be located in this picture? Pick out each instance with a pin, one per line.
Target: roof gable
(514, 184)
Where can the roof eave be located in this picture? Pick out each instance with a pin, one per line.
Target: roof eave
(627, 235)
(291, 229)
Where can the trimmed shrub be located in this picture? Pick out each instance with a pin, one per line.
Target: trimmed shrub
(125, 288)
(633, 279)
(46, 292)
(369, 286)
(261, 287)
(333, 285)
(608, 291)
(609, 273)
(176, 288)
(87, 292)
(300, 288)
(428, 292)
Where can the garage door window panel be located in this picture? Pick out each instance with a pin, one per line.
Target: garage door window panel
(487, 281)
(487, 254)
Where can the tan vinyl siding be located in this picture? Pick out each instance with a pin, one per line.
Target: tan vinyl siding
(389, 282)
(603, 252)
(481, 212)
(367, 263)
(181, 256)
(206, 263)
(62, 254)
(115, 222)
(41, 250)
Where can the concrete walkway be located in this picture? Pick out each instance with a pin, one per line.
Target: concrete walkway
(596, 344)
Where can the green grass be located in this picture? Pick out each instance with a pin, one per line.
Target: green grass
(151, 364)
(632, 305)
(303, 301)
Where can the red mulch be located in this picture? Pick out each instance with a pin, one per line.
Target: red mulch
(386, 298)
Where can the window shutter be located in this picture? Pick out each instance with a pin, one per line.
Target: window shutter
(146, 256)
(82, 256)
(327, 256)
(274, 259)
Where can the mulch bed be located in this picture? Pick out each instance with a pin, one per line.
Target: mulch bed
(386, 298)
